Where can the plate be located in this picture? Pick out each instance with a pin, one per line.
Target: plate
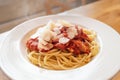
(15, 64)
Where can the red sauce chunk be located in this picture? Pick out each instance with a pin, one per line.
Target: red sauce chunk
(32, 44)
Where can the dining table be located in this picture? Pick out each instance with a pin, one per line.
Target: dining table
(106, 11)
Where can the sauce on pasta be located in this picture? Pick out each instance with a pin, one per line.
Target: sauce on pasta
(61, 45)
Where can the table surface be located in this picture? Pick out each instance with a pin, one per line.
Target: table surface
(107, 11)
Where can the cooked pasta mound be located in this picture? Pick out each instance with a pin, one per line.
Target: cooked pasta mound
(61, 45)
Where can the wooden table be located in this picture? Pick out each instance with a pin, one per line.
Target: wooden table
(107, 11)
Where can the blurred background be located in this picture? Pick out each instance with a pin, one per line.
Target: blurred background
(13, 12)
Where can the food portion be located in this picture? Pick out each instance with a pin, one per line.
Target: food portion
(62, 45)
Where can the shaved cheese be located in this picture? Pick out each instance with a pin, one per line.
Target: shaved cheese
(44, 45)
(41, 41)
(52, 31)
(50, 25)
(41, 46)
(60, 36)
(46, 35)
(58, 24)
(56, 30)
(72, 32)
(63, 40)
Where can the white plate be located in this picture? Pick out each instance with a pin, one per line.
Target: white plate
(15, 64)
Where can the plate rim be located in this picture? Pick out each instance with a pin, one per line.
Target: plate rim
(39, 18)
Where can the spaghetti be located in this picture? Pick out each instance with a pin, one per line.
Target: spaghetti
(62, 51)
